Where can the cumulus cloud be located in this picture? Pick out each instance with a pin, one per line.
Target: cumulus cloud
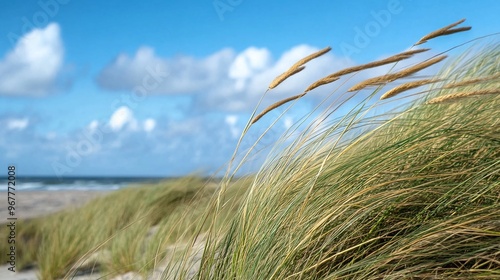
(32, 67)
(226, 80)
(234, 99)
(122, 117)
(231, 82)
(182, 74)
(247, 64)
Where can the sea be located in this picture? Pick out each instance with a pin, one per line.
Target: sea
(75, 183)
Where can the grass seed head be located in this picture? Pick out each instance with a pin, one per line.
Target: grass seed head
(407, 86)
(444, 31)
(297, 67)
(392, 59)
(379, 80)
(320, 82)
(460, 95)
(278, 80)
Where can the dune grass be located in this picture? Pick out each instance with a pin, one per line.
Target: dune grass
(412, 193)
(127, 230)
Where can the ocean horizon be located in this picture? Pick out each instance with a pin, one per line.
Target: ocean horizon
(81, 183)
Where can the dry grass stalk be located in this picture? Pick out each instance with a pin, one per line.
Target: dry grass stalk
(278, 80)
(444, 31)
(401, 74)
(394, 58)
(276, 105)
(471, 81)
(295, 68)
(456, 30)
(411, 52)
(320, 82)
(311, 57)
(454, 96)
(407, 86)
(414, 69)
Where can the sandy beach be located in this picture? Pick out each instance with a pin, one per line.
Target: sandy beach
(30, 204)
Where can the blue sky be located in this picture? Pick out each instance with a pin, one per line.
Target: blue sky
(164, 88)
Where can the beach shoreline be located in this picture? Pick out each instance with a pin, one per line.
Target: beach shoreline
(32, 204)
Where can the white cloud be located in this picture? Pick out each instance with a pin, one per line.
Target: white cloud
(182, 74)
(17, 124)
(247, 64)
(232, 82)
(225, 80)
(249, 61)
(32, 67)
(149, 125)
(230, 97)
(121, 117)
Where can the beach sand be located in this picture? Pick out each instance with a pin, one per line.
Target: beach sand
(30, 204)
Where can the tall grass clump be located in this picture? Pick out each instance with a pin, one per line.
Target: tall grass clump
(114, 226)
(412, 193)
(113, 233)
(135, 229)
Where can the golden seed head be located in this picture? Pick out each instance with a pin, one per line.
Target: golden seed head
(278, 80)
(444, 31)
(392, 59)
(274, 106)
(406, 86)
(398, 75)
(320, 82)
(297, 67)
(460, 95)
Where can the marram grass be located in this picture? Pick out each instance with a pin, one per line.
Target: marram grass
(391, 59)
(409, 194)
(384, 79)
(128, 230)
(407, 86)
(447, 30)
(297, 67)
